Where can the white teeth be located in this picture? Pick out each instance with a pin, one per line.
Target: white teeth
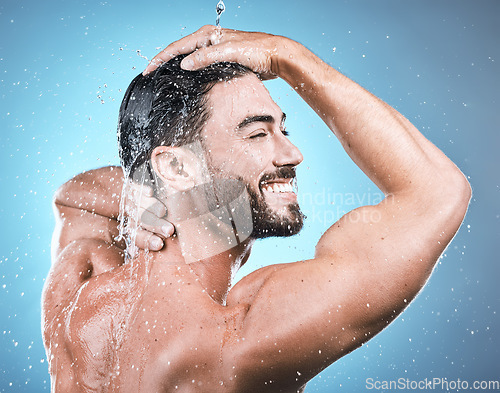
(278, 187)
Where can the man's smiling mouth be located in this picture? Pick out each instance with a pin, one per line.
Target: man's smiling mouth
(278, 186)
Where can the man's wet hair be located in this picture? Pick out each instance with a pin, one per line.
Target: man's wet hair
(167, 107)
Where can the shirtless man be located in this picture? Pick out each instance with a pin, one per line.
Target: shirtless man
(163, 323)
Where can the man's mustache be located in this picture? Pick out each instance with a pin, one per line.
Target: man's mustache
(279, 174)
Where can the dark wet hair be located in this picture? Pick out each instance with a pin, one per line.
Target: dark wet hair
(167, 107)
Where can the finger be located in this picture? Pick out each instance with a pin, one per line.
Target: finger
(165, 229)
(259, 61)
(150, 205)
(155, 207)
(147, 240)
(206, 56)
(134, 208)
(156, 224)
(184, 46)
(199, 39)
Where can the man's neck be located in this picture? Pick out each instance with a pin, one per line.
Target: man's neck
(213, 239)
(214, 273)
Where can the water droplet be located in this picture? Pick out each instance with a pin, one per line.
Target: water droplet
(220, 8)
(138, 51)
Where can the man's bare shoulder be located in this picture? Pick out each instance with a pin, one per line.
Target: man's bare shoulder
(94, 305)
(74, 268)
(79, 311)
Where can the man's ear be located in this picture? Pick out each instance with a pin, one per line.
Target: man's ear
(177, 167)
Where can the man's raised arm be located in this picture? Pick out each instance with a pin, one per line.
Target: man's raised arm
(371, 263)
(87, 207)
(84, 242)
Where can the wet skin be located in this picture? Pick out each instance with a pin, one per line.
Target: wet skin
(159, 324)
(246, 139)
(259, 146)
(144, 326)
(152, 327)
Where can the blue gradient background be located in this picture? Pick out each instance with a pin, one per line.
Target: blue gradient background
(65, 64)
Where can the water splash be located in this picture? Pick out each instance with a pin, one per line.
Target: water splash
(138, 51)
(220, 8)
(128, 217)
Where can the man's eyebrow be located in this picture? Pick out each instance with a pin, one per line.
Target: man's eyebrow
(260, 119)
(283, 118)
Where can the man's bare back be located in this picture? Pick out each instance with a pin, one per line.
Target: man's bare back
(151, 326)
(162, 322)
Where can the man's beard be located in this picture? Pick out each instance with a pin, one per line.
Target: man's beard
(266, 222)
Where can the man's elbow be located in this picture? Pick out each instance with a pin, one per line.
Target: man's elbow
(462, 189)
(59, 199)
(455, 195)
(466, 192)
(61, 195)
(72, 192)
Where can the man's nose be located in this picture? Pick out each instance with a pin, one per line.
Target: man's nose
(286, 153)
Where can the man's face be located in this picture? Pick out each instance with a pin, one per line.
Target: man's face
(245, 140)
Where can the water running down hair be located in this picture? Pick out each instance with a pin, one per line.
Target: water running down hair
(167, 107)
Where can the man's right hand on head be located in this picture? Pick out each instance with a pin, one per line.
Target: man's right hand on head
(211, 44)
